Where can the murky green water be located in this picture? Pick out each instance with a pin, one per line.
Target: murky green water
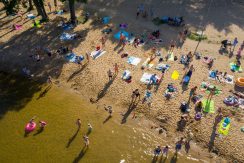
(61, 141)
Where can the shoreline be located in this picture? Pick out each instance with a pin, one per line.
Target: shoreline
(140, 125)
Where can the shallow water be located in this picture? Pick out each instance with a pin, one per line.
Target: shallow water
(61, 141)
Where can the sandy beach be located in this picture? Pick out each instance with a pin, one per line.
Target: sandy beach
(219, 19)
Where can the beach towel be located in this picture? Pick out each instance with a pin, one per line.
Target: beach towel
(74, 58)
(234, 68)
(97, 53)
(126, 34)
(133, 60)
(208, 106)
(146, 78)
(17, 27)
(224, 127)
(66, 36)
(126, 74)
(147, 64)
(228, 78)
(175, 75)
(31, 16)
(162, 66)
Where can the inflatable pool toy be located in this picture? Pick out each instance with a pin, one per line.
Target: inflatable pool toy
(30, 127)
(224, 126)
(240, 81)
(198, 116)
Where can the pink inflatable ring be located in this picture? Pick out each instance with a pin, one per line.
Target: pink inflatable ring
(30, 127)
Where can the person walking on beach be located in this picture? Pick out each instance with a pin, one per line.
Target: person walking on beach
(86, 140)
(110, 75)
(137, 12)
(187, 146)
(235, 42)
(135, 95)
(116, 69)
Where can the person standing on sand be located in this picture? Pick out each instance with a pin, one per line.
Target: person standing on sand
(116, 69)
(235, 42)
(135, 94)
(49, 80)
(87, 57)
(212, 93)
(192, 92)
(110, 75)
(103, 41)
(187, 146)
(172, 46)
(49, 6)
(137, 12)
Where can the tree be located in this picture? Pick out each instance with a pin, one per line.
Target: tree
(72, 9)
(10, 6)
(30, 5)
(41, 9)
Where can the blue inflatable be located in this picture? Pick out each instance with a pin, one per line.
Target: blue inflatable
(106, 20)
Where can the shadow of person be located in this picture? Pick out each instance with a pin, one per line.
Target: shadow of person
(107, 119)
(77, 72)
(213, 134)
(103, 92)
(40, 130)
(81, 154)
(72, 138)
(132, 106)
(174, 158)
(155, 158)
(161, 160)
(43, 93)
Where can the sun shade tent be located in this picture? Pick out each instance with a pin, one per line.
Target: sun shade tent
(126, 34)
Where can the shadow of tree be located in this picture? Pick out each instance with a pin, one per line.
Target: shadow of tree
(16, 94)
